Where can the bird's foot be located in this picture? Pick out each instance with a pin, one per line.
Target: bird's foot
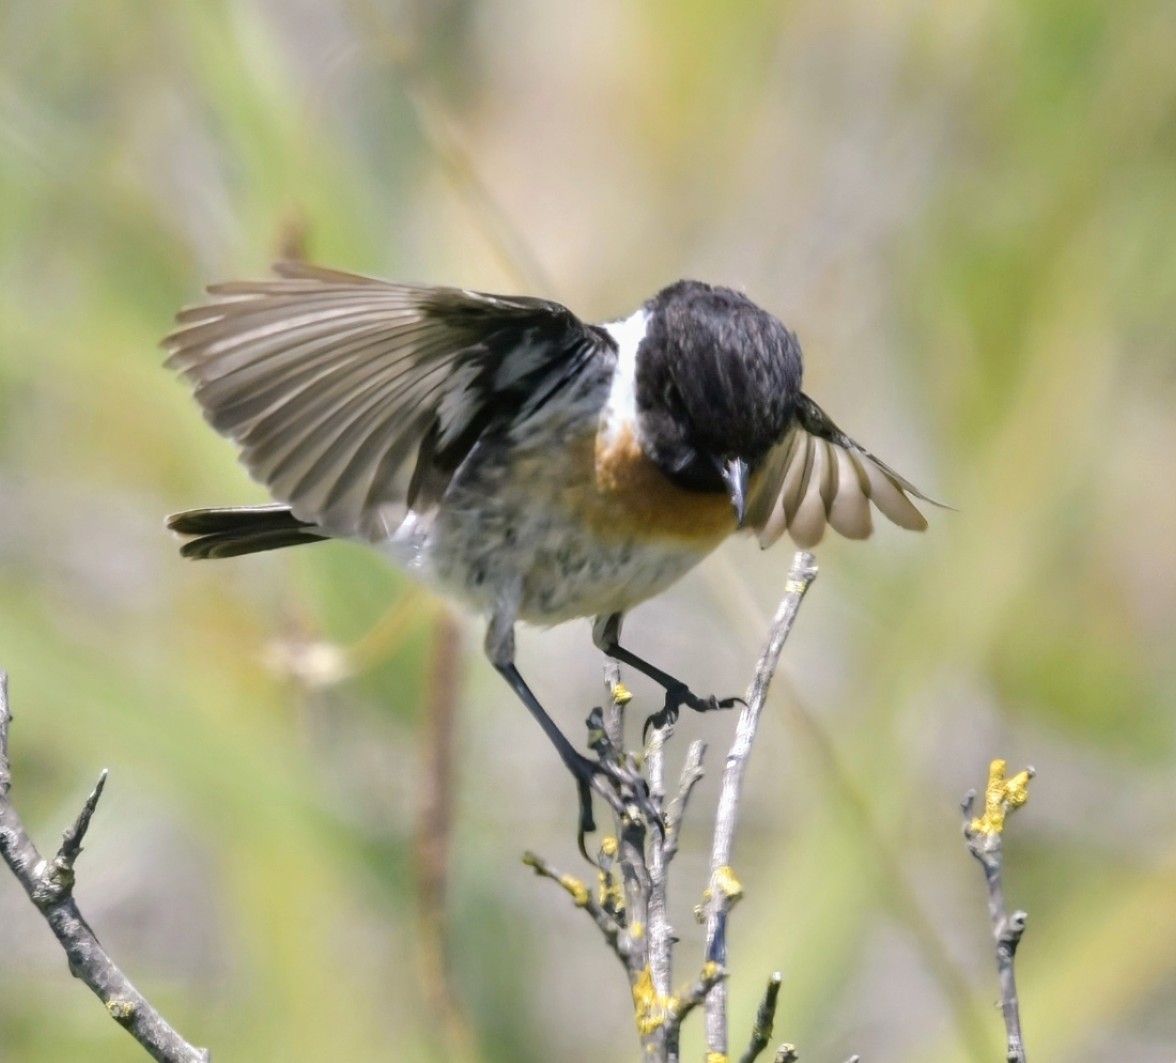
(617, 779)
(680, 696)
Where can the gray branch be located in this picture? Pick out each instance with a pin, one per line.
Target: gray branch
(633, 866)
(49, 884)
(765, 1018)
(984, 839)
(581, 895)
(724, 887)
(683, 1003)
(661, 933)
(692, 773)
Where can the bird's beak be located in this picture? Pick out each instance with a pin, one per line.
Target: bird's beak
(735, 474)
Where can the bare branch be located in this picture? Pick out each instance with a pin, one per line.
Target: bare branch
(686, 1000)
(724, 888)
(49, 885)
(765, 1017)
(71, 840)
(984, 838)
(633, 866)
(692, 773)
(581, 895)
(661, 933)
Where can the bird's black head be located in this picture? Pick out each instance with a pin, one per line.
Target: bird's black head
(717, 383)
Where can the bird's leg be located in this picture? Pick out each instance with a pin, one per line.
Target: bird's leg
(606, 633)
(586, 772)
(580, 766)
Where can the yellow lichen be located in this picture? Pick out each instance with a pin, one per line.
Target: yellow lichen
(621, 694)
(716, 1057)
(122, 1011)
(727, 884)
(609, 846)
(1001, 796)
(649, 1008)
(610, 894)
(637, 930)
(576, 888)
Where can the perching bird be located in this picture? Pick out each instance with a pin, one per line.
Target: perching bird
(516, 458)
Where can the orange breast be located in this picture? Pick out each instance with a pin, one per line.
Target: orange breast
(618, 493)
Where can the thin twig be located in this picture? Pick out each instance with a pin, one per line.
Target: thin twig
(649, 1000)
(638, 852)
(984, 838)
(685, 1001)
(5, 718)
(614, 710)
(724, 887)
(582, 896)
(692, 773)
(661, 933)
(765, 1018)
(49, 885)
(71, 839)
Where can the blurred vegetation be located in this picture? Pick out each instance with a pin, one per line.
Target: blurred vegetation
(967, 212)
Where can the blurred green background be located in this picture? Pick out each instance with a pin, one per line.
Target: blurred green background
(968, 213)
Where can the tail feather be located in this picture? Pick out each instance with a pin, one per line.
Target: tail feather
(236, 530)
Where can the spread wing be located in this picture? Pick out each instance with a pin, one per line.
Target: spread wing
(817, 476)
(355, 400)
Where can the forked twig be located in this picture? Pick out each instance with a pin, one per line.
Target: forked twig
(49, 884)
(631, 908)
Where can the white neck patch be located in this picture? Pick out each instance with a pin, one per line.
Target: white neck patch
(621, 410)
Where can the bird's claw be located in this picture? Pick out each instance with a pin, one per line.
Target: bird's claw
(679, 696)
(625, 787)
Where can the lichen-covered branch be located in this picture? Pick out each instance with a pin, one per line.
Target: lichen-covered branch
(49, 884)
(984, 838)
(582, 897)
(633, 866)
